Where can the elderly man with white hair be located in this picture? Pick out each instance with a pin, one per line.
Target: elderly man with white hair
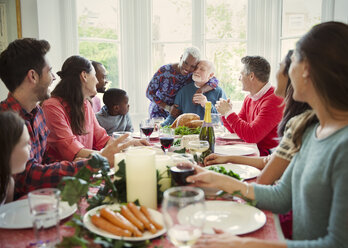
(169, 79)
(189, 101)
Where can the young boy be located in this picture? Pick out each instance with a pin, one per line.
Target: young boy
(113, 116)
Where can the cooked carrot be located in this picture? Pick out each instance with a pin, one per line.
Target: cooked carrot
(140, 216)
(147, 214)
(129, 216)
(118, 220)
(109, 227)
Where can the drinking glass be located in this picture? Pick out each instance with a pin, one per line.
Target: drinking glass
(217, 123)
(182, 168)
(198, 147)
(44, 210)
(157, 121)
(166, 138)
(146, 127)
(183, 213)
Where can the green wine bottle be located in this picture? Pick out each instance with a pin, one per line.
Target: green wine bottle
(207, 131)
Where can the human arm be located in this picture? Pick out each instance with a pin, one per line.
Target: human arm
(129, 126)
(154, 86)
(258, 162)
(211, 179)
(269, 113)
(273, 170)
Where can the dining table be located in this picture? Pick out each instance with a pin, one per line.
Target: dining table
(19, 238)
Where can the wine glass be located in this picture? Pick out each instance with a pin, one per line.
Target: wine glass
(217, 123)
(198, 147)
(182, 168)
(166, 138)
(157, 121)
(183, 213)
(146, 127)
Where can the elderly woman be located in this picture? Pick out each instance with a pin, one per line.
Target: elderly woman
(74, 129)
(315, 183)
(169, 79)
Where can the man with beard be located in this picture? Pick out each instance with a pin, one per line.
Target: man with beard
(101, 74)
(189, 101)
(27, 75)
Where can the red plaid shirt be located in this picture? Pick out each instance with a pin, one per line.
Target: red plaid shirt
(38, 174)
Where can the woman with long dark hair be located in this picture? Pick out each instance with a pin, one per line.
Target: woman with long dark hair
(14, 152)
(74, 129)
(315, 184)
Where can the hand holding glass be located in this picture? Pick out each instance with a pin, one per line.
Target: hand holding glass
(183, 212)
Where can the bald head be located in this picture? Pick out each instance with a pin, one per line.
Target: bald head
(204, 71)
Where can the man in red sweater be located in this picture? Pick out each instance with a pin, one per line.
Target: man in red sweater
(262, 110)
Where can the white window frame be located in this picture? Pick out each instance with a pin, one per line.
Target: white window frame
(263, 38)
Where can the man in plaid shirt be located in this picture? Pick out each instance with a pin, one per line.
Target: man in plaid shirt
(27, 75)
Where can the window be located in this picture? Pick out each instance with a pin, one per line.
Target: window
(225, 42)
(222, 38)
(99, 34)
(171, 30)
(297, 18)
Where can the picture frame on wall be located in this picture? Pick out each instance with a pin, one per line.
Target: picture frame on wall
(3, 27)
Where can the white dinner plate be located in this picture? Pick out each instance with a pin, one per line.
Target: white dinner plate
(16, 215)
(154, 135)
(229, 136)
(234, 150)
(245, 171)
(232, 217)
(157, 216)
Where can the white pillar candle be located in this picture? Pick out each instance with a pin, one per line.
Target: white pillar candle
(162, 161)
(141, 177)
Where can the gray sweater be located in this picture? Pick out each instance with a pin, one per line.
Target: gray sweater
(115, 123)
(315, 187)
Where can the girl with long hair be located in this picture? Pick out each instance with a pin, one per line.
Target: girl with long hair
(14, 152)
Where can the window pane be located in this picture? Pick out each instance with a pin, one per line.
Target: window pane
(226, 57)
(167, 53)
(105, 53)
(226, 19)
(172, 20)
(286, 45)
(299, 16)
(99, 34)
(98, 19)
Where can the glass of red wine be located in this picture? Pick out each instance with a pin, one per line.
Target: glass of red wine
(166, 138)
(147, 126)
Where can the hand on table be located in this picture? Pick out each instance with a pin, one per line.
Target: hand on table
(199, 98)
(137, 142)
(223, 106)
(215, 159)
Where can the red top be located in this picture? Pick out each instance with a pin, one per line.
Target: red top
(257, 121)
(63, 144)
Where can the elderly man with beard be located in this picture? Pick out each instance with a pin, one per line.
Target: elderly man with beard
(189, 101)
